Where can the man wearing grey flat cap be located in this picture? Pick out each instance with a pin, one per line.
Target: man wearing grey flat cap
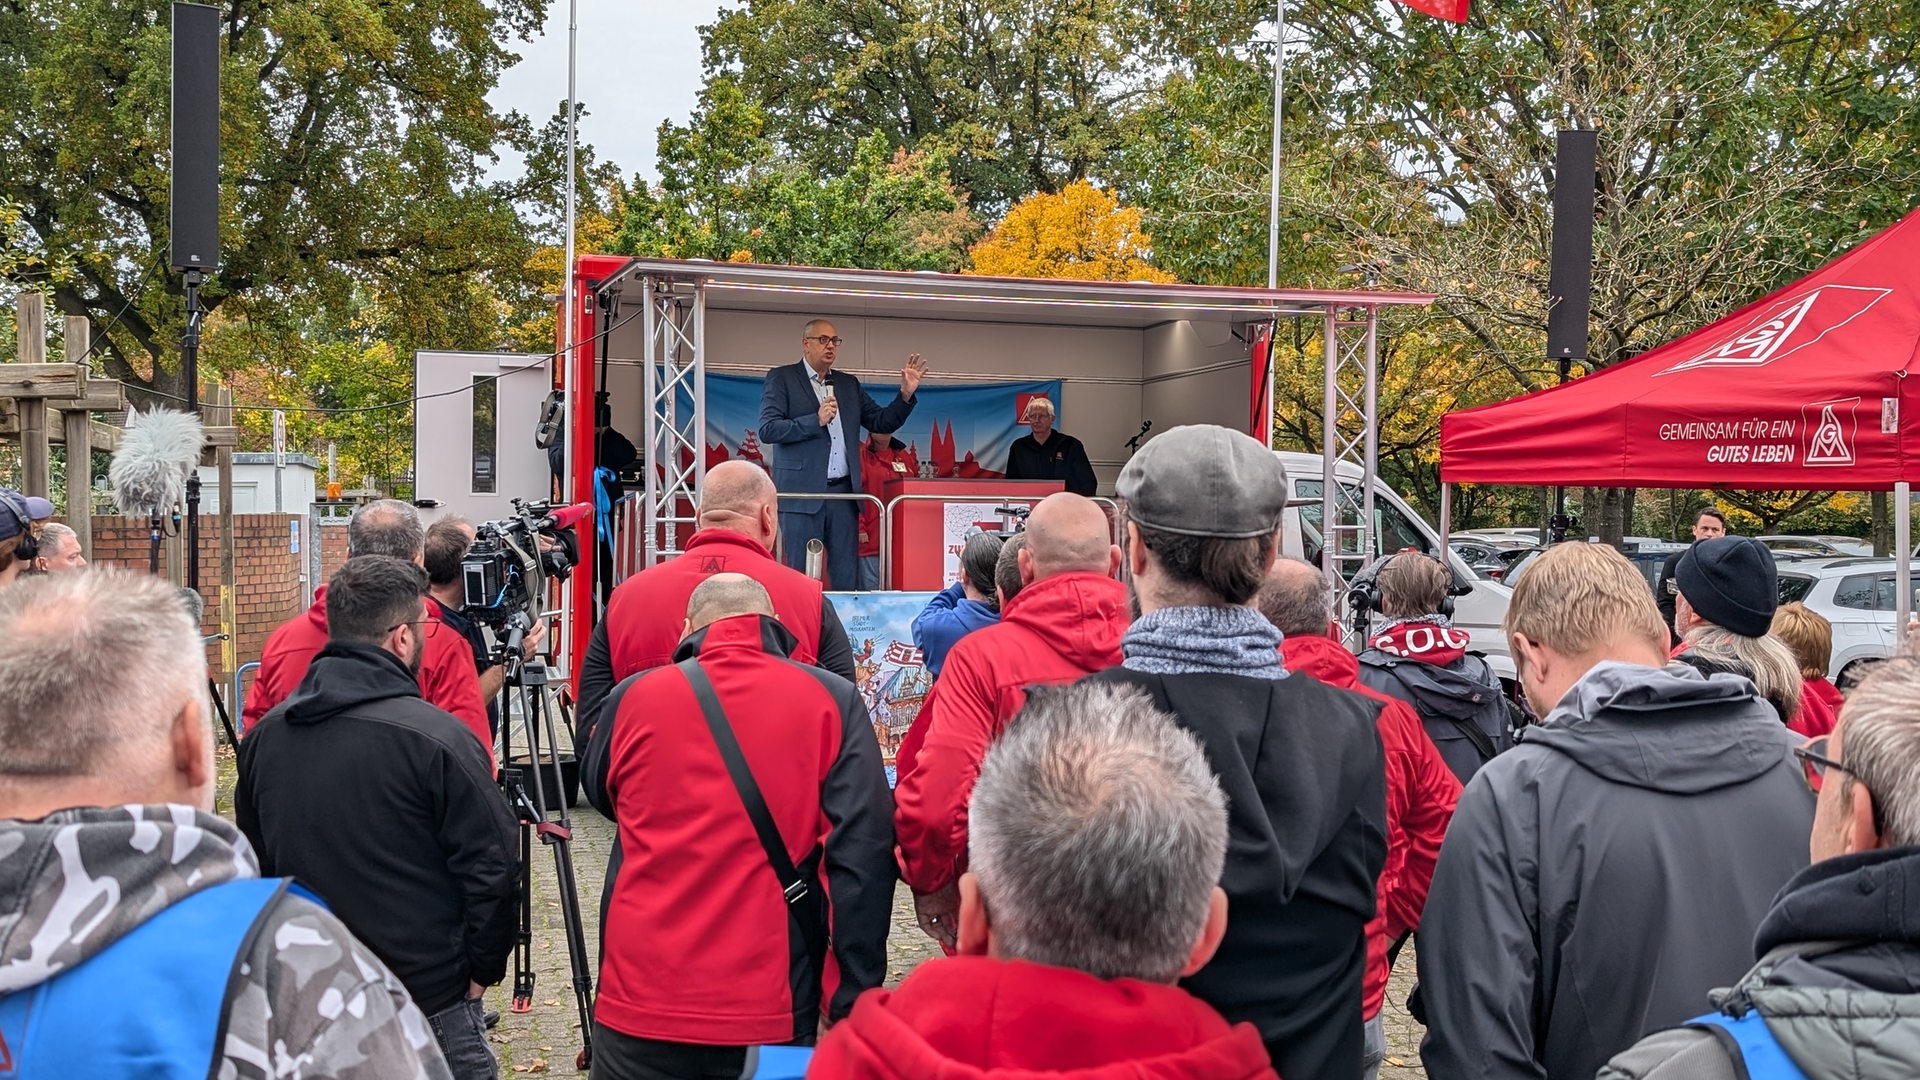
(1300, 762)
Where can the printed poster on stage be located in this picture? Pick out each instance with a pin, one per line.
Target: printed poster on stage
(962, 520)
(892, 678)
(963, 431)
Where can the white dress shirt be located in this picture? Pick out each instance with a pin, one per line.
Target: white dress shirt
(837, 456)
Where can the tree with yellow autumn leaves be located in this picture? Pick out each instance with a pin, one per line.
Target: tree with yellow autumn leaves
(1080, 232)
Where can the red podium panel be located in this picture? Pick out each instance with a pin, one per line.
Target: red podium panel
(929, 533)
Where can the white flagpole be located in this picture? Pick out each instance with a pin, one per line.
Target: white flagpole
(1273, 206)
(570, 390)
(1279, 99)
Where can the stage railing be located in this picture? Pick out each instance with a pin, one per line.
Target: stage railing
(628, 541)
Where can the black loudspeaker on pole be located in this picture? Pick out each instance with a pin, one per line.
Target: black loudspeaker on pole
(195, 221)
(1570, 286)
(194, 242)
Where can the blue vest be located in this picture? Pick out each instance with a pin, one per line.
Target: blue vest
(1750, 1043)
(151, 1005)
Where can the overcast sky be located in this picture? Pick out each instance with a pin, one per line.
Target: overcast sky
(639, 64)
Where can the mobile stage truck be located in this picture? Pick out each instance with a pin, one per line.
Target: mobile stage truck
(680, 348)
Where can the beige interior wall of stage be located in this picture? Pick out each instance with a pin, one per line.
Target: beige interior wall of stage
(1195, 373)
(1112, 378)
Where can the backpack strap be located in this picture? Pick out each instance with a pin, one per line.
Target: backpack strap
(802, 903)
(1750, 1045)
(1474, 733)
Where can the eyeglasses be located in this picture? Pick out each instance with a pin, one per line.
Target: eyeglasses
(825, 340)
(424, 628)
(1814, 757)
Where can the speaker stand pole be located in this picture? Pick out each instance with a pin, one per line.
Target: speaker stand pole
(1558, 525)
(190, 366)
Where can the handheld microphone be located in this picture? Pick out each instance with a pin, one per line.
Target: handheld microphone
(566, 517)
(157, 453)
(1134, 443)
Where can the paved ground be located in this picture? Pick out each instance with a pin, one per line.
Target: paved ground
(546, 1038)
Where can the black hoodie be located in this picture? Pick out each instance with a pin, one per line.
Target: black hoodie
(386, 806)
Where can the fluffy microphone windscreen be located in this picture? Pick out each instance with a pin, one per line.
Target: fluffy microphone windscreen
(158, 450)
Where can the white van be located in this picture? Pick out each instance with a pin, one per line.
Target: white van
(1480, 604)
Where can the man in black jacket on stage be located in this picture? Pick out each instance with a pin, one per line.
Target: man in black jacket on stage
(1047, 454)
(386, 806)
(1300, 762)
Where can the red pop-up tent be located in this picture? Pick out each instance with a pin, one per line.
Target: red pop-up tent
(1803, 389)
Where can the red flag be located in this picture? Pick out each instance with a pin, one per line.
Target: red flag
(1450, 10)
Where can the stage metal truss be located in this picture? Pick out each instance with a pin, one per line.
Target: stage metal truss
(675, 458)
(1350, 437)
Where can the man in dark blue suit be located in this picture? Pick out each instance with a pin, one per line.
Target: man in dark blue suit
(817, 447)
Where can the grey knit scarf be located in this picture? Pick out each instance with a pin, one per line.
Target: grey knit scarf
(1220, 640)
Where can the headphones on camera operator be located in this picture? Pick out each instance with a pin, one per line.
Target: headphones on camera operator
(28, 546)
(1363, 595)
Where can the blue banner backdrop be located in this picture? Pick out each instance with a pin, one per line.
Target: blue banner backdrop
(892, 679)
(964, 431)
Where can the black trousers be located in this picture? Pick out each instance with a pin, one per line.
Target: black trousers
(628, 1057)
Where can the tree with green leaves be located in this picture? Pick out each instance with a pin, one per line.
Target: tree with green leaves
(726, 193)
(353, 135)
(1020, 95)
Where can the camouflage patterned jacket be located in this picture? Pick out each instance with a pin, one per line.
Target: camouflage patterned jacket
(312, 1001)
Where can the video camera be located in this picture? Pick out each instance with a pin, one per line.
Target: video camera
(507, 568)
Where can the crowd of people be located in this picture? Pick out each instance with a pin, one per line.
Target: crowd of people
(1162, 821)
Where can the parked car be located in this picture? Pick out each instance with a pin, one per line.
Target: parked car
(1832, 547)
(1857, 597)
(1647, 562)
(1509, 536)
(1479, 605)
(1473, 549)
(1500, 567)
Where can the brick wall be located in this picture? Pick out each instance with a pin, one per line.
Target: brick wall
(266, 577)
(333, 547)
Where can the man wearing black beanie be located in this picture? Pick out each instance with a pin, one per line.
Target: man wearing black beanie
(1728, 589)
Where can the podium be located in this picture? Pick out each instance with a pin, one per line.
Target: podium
(929, 531)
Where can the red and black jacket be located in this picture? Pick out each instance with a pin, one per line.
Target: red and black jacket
(699, 944)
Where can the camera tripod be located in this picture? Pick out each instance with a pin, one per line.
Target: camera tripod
(521, 779)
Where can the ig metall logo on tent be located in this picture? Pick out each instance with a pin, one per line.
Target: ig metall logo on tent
(1827, 431)
(1786, 327)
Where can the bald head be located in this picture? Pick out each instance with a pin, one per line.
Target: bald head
(1294, 598)
(1068, 533)
(724, 596)
(738, 496)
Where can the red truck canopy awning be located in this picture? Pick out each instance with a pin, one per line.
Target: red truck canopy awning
(1806, 388)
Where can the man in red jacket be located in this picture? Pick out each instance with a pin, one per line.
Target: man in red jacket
(1066, 622)
(1093, 797)
(703, 955)
(1421, 790)
(447, 674)
(739, 519)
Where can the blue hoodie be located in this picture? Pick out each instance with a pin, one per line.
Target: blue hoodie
(947, 618)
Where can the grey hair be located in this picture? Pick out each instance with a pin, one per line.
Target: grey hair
(53, 534)
(386, 527)
(1767, 661)
(1881, 741)
(1097, 832)
(127, 658)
